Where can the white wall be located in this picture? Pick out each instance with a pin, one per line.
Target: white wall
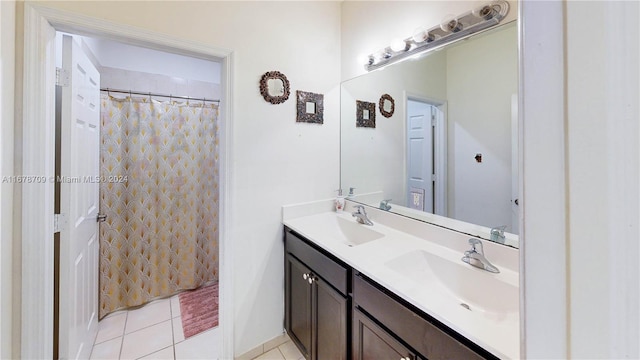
(7, 77)
(276, 161)
(145, 70)
(117, 55)
(603, 178)
(113, 78)
(581, 181)
(481, 77)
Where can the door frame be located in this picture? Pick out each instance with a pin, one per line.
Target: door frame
(38, 149)
(439, 149)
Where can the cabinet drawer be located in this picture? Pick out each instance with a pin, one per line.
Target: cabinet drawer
(421, 334)
(370, 341)
(322, 265)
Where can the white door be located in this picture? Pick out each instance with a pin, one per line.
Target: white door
(79, 198)
(420, 155)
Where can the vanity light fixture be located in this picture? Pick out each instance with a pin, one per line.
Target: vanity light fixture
(452, 29)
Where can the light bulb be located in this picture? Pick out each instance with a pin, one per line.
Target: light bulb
(450, 24)
(419, 35)
(399, 45)
(366, 59)
(484, 11)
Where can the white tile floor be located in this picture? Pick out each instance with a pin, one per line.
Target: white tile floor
(153, 331)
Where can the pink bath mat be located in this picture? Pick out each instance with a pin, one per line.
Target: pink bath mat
(199, 310)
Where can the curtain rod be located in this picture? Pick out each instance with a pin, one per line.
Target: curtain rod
(154, 94)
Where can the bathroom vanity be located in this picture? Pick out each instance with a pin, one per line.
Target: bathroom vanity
(359, 292)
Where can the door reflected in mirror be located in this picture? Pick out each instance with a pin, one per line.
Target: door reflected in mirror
(450, 105)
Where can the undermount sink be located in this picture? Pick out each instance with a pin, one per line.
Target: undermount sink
(337, 228)
(472, 288)
(353, 234)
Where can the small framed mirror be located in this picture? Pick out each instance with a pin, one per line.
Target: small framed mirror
(387, 105)
(365, 114)
(310, 107)
(274, 87)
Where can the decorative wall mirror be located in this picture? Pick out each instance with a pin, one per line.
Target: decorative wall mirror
(387, 105)
(310, 107)
(274, 87)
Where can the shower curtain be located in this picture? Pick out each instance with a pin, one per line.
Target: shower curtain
(159, 190)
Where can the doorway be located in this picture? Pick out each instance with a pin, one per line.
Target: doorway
(425, 156)
(133, 161)
(38, 126)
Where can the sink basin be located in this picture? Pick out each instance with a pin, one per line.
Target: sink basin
(470, 287)
(352, 234)
(333, 228)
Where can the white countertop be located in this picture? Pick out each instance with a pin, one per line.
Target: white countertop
(495, 327)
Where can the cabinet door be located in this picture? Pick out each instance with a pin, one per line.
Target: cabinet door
(299, 315)
(331, 322)
(371, 342)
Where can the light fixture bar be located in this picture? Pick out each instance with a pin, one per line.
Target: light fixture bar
(471, 22)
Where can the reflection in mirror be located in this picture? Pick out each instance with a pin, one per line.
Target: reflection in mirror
(365, 114)
(386, 105)
(311, 108)
(275, 87)
(454, 104)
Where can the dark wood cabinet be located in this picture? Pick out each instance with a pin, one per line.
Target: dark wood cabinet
(316, 313)
(372, 342)
(299, 309)
(331, 322)
(429, 338)
(334, 312)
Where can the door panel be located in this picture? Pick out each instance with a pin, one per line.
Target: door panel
(79, 204)
(419, 156)
(299, 312)
(371, 342)
(331, 322)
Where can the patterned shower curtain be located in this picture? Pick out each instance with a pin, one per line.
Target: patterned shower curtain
(159, 190)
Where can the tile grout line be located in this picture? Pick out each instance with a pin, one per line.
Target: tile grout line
(104, 341)
(123, 334)
(148, 326)
(173, 333)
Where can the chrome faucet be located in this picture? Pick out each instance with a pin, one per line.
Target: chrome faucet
(361, 215)
(475, 257)
(497, 234)
(384, 205)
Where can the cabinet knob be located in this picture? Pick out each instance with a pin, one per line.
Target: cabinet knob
(310, 280)
(305, 276)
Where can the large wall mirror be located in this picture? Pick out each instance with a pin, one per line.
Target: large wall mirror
(449, 153)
